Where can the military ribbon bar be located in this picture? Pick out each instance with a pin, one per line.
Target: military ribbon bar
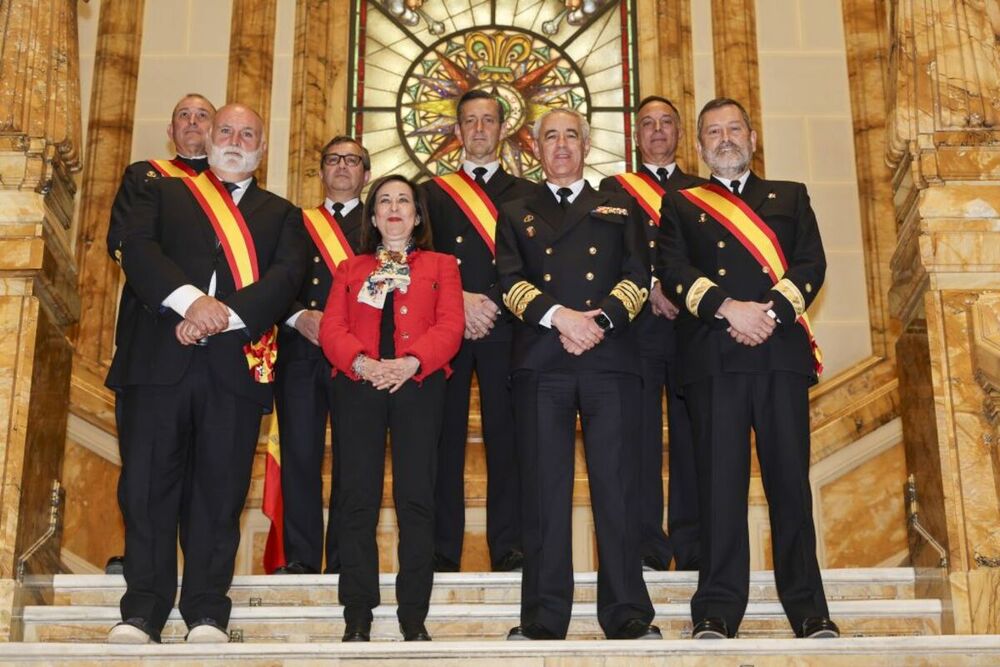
(754, 234)
(645, 190)
(173, 168)
(327, 235)
(474, 203)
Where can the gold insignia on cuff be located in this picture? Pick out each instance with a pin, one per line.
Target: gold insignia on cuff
(631, 296)
(519, 296)
(787, 289)
(696, 294)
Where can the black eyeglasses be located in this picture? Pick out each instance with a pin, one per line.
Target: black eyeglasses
(331, 159)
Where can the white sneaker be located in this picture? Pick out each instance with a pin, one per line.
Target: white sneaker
(206, 634)
(123, 633)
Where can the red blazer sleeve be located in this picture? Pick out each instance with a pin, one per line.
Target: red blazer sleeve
(339, 344)
(440, 342)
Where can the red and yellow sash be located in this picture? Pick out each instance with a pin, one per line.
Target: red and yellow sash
(327, 235)
(645, 190)
(474, 203)
(241, 255)
(175, 168)
(755, 235)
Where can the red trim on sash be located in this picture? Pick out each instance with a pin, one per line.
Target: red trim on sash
(318, 240)
(473, 218)
(220, 232)
(177, 162)
(654, 214)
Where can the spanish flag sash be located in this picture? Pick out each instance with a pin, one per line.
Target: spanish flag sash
(241, 255)
(327, 235)
(175, 168)
(755, 235)
(645, 190)
(474, 203)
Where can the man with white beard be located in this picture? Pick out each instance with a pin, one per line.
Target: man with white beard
(742, 259)
(215, 262)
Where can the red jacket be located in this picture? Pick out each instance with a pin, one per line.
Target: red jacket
(429, 318)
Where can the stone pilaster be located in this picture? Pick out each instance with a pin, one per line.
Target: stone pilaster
(737, 72)
(319, 93)
(39, 153)
(945, 89)
(251, 61)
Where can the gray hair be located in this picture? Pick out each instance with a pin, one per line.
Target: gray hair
(536, 129)
(718, 103)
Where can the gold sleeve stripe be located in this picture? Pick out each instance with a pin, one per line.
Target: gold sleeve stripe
(787, 289)
(519, 296)
(631, 297)
(696, 294)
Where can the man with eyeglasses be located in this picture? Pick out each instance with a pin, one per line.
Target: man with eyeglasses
(304, 389)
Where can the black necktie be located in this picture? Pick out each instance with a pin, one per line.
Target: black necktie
(231, 187)
(338, 211)
(662, 175)
(563, 194)
(735, 186)
(480, 174)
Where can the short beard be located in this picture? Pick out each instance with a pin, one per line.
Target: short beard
(245, 164)
(728, 164)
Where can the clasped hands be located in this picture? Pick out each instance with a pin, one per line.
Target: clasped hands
(749, 323)
(480, 315)
(578, 332)
(389, 374)
(204, 317)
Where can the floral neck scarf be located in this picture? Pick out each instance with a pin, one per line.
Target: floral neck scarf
(392, 272)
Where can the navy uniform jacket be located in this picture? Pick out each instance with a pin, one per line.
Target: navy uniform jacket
(593, 255)
(701, 264)
(169, 242)
(455, 235)
(315, 288)
(656, 333)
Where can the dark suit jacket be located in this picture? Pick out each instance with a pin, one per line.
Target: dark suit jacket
(313, 294)
(169, 242)
(428, 319)
(693, 248)
(455, 234)
(655, 333)
(574, 258)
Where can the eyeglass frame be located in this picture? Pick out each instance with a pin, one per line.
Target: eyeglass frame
(346, 157)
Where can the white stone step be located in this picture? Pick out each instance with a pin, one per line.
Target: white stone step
(941, 651)
(478, 621)
(491, 587)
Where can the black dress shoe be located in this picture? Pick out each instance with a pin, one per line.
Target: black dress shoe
(294, 567)
(414, 633)
(636, 628)
(358, 631)
(654, 564)
(710, 628)
(115, 565)
(530, 631)
(819, 627)
(442, 564)
(512, 561)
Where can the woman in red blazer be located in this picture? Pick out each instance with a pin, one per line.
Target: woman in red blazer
(393, 321)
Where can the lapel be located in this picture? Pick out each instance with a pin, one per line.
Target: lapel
(251, 200)
(755, 192)
(545, 207)
(499, 182)
(581, 207)
(351, 226)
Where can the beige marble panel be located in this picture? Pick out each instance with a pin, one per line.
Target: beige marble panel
(92, 526)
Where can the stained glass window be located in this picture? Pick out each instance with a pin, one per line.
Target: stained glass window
(412, 59)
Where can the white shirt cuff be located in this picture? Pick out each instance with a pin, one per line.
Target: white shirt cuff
(546, 320)
(235, 322)
(295, 316)
(181, 298)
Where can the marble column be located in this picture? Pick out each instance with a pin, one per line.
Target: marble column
(251, 61)
(39, 155)
(319, 93)
(945, 289)
(737, 73)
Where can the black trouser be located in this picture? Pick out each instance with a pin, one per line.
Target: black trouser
(546, 405)
(491, 361)
(304, 399)
(164, 430)
(412, 417)
(723, 410)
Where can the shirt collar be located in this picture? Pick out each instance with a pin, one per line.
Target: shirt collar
(653, 167)
(241, 189)
(727, 181)
(348, 205)
(576, 188)
(491, 168)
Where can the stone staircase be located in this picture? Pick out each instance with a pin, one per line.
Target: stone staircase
(286, 619)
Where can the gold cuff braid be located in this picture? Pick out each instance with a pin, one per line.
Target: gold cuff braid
(787, 289)
(631, 296)
(696, 294)
(519, 296)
